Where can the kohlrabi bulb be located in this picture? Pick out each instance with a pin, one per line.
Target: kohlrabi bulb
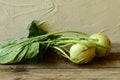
(82, 53)
(103, 44)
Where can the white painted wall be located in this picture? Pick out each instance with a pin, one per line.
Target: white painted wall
(90, 16)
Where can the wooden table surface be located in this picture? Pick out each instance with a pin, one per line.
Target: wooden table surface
(56, 68)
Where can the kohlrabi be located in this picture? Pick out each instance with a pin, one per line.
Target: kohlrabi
(103, 44)
(35, 47)
(79, 47)
(84, 49)
(82, 53)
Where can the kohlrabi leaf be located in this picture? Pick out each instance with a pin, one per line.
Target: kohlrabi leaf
(18, 51)
(8, 42)
(21, 55)
(35, 29)
(32, 53)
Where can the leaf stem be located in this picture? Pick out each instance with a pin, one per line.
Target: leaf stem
(63, 53)
(70, 31)
(60, 32)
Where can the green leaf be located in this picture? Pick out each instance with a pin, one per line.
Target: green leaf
(20, 55)
(18, 51)
(8, 42)
(36, 29)
(33, 50)
(9, 51)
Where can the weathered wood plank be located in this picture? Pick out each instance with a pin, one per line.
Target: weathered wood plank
(62, 74)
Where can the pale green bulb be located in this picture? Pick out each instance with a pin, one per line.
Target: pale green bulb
(82, 53)
(103, 44)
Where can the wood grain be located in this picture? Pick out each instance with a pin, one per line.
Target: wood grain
(62, 74)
